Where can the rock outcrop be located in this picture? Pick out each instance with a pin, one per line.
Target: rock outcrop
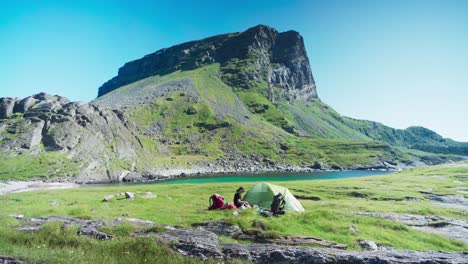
(204, 245)
(258, 54)
(10, 260)
(94, 141)
(449, 227)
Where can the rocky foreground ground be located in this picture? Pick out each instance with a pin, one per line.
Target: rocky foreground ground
(202, 242)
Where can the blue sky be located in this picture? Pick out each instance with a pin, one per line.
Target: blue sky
(401, 63)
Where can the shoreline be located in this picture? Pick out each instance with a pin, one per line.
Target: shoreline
(27, 186)
(17, 186)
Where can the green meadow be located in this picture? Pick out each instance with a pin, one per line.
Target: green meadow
(330, 218)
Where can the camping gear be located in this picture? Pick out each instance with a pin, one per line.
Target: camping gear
(228, 206)
(278, 204)
(262, 195)
(216, 202)
(265, 212)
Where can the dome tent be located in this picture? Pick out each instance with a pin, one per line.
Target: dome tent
(262, 194)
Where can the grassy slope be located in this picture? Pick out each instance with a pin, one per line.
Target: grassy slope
(330, 218)
(263, 133)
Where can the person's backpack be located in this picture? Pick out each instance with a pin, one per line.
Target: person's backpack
(216, 202)
(278, 204)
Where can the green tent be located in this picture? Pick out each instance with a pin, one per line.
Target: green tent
(261, 194)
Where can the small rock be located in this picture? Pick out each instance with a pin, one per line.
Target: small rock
(358, 195)
(368, 245)
(129, 195)
(17, 216)
(149, 195)
(353, 229)
(54, 203)
(108, 198)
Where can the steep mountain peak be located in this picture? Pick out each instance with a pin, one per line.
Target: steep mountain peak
(259, 54)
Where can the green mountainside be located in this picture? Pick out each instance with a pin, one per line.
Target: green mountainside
(238, 102)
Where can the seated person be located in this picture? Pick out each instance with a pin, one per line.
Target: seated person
(238, 199)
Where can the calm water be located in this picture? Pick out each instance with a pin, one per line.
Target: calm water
(276, 177)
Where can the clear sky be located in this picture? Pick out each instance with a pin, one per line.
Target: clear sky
(401, 63)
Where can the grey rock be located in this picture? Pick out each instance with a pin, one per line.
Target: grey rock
(196, 243)
(368, 245)
(94, 138)
(451, 201)
(6, 107)
(149, 195)
(444, 226)
(108, 198)
(10, 260)
(17, 216)
(134, 221)
(129, 195)
(54, 203)
(86, 227)
(220, 228)
(23, 105)
(264, 253)
(236, 252)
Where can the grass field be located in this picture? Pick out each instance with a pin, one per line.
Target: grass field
(329, 218)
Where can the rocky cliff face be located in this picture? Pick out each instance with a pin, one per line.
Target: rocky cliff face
(259, 54)
(99, 141)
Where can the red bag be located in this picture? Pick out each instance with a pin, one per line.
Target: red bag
(216, 202)
(229, 206)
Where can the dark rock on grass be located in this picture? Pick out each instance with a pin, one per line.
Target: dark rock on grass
(86, 227)
(236, 252)
(412, 199)
(304, 241)
(10, 260)
(265, 253)
(190, 110)
(304, 197)
(220, 228)
(358, 194)
(196, 243)
(449, 201)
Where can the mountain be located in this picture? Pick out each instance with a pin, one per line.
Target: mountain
(259, 54)
(237, 102)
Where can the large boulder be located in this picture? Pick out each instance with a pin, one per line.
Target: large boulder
(6, 107)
